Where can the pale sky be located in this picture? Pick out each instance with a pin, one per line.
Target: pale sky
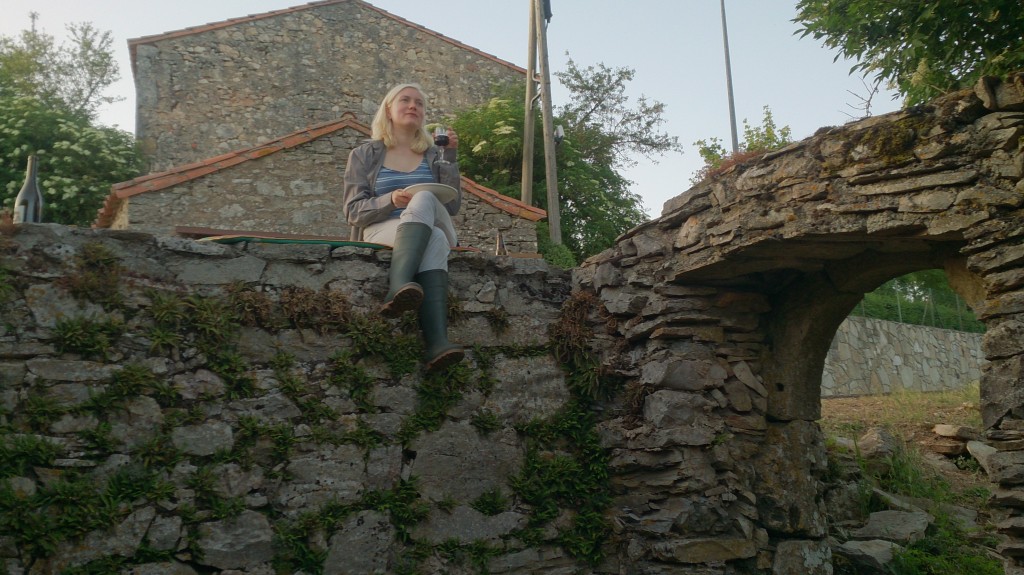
(675, 47)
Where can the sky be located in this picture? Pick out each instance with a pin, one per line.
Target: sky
(675, 48)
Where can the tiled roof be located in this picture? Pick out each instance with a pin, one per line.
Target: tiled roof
(133, 43)
(180, 174)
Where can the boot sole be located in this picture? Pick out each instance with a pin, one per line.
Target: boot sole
(445, 359)
(408, 298)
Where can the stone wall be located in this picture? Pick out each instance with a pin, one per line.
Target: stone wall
(294, 191)
(872, 356)
(220, 87)
(719, 316)
(243, 407)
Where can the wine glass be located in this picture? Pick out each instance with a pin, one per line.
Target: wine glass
(441, 140)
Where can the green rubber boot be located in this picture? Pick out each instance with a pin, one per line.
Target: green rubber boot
(434, 321)
(404, 294)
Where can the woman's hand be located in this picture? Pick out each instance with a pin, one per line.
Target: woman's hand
(453, 139)
(400, 198)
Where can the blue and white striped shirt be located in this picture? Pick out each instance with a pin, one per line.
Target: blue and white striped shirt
(389, 180)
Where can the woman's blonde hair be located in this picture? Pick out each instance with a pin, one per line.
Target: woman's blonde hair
(381, 126)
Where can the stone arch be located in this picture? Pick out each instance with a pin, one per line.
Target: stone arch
(724, 308)
(807, 311)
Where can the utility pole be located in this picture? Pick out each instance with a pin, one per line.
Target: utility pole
(531, 95)
(550, 169)
(728, 83)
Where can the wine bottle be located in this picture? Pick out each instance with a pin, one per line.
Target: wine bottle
(28, 205)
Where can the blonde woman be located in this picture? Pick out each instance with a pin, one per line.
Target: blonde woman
(399, 154)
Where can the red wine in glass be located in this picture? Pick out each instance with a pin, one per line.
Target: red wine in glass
(441, 139)
(440, 136)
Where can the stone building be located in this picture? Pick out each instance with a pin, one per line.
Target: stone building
(225, 86)
(290, 187)
(246, 124)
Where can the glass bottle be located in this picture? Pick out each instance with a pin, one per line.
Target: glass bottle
(28, 206)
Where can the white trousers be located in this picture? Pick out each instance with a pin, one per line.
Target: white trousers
(424, 208)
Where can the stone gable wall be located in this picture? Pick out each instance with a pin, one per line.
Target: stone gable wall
(210, 92)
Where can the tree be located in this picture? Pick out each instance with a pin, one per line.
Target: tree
(603, 134)
(603, 126)
(922, 49)
(48, 98)
(72, 75)
(756, 140)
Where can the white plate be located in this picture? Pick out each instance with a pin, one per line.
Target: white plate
(443, 192)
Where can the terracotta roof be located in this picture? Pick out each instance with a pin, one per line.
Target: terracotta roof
(160, 180)
(502, 202)
(134, 42)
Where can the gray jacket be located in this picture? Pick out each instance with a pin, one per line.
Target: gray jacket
(362, 208)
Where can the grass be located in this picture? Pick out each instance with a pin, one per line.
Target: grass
(909, 414)
(946, 547)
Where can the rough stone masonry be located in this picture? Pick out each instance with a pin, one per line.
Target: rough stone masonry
(171, 406)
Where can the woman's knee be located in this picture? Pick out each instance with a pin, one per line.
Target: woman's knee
(438, 240)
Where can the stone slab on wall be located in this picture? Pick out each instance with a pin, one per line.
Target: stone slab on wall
(873, 356)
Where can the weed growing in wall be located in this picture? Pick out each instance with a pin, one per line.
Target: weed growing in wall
(290, 383)
(204, 482)
(437, 393)
(6, 286)
(565, 466)
(90, 338)
(372, 336)
(491, 502)
(477, 553)
(486, 422)
(97, 277)
(570, 338)
(346, 374)
(20, 452)
(402, 504)
(323, 311)
(73, 505)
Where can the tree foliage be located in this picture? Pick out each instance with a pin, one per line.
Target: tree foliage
(921, 49)
(72, 75)
(602, 135)
(756, 140)
(604, 126)
(78, 161)
(48, 98)
(920, 298)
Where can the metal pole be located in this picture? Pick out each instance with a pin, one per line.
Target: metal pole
(531, 95)
(550, 169)
(728, 83)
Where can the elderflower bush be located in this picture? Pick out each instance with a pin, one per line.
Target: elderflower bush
(78, 161)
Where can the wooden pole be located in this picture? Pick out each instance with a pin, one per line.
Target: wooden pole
(531, 95)
(550, 168)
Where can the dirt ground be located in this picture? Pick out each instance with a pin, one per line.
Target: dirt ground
(911, 416)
